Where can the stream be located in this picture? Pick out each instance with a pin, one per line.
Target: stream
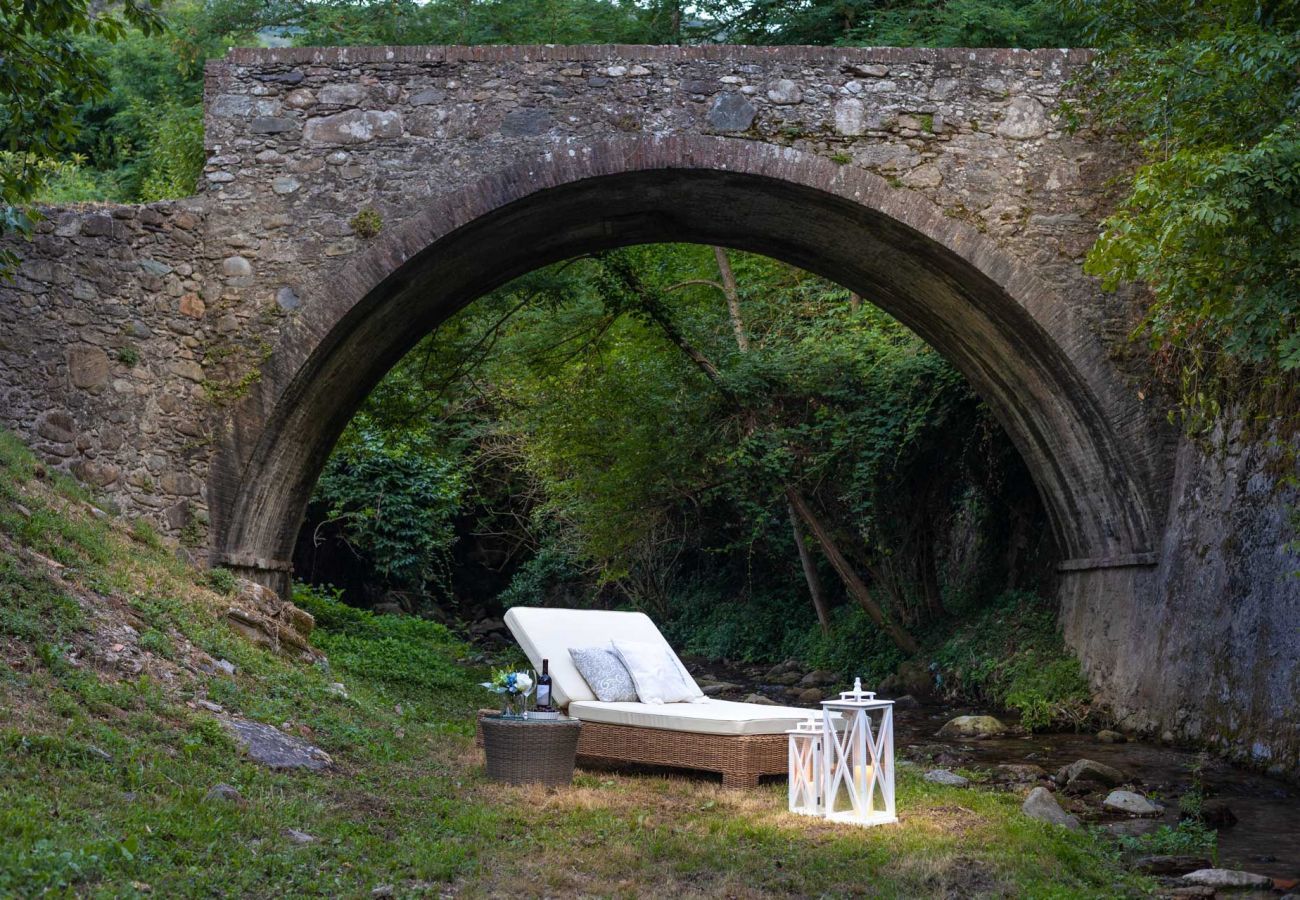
(1265, 839)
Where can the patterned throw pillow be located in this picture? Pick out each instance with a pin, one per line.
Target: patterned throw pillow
(605, 674)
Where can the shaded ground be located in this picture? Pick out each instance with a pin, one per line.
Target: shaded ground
(1265, 838)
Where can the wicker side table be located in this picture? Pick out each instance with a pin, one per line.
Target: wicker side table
(530, 751)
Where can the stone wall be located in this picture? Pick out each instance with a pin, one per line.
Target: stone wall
(1212, 655)
(102, 336)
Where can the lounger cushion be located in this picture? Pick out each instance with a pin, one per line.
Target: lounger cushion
(604, 673)
(709, 717)
(549, 633)
(658, 674)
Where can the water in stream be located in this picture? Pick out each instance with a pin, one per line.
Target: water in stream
(1265, 839)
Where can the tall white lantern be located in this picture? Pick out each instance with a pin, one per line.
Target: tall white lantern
(858, 758)
(805, 766)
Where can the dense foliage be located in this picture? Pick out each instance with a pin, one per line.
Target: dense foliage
(596, 463)
(48, 64)
(1210, 96)
(1011, 655)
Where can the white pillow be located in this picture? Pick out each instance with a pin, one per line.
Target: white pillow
(658, 674)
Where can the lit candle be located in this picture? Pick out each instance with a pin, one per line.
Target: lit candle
(862, 777)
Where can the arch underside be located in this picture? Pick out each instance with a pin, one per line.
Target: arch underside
(994, 321)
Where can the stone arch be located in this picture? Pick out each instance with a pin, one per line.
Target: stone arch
(1032, 358)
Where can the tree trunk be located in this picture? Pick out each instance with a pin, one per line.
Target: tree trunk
(733, 297)
(655, 311)
(809, 570)
(806, 562)
(852, 582)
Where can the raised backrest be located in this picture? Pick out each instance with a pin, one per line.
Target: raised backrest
(549, 633)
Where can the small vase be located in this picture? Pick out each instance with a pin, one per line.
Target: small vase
(510, 706)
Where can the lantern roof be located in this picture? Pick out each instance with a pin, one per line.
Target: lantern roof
(857, 699)
(810, 726)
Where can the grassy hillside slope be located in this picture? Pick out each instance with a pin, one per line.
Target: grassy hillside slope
(113, 666)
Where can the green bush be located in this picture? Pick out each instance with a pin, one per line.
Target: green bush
(223, 581)
(410, 655)
(1011, 655)
(173, 158)
(854, 647)
(1187, 837)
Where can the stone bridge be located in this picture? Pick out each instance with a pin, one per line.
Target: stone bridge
(196, 360)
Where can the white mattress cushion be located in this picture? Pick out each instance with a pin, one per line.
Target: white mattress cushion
(710, 717)
(549, 633)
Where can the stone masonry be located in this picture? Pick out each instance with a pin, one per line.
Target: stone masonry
(194, 361)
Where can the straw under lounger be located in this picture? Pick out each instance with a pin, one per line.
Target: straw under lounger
(741, 741)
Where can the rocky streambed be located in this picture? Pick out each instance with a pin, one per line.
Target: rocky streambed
(1130, 787)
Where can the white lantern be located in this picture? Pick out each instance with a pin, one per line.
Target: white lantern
(858, 758)
(805, 767)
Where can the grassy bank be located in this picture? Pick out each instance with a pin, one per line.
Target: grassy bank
(108, 752)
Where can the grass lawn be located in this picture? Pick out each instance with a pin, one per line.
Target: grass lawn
(107, 755)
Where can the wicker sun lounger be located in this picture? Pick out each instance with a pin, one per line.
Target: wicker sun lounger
(741, 741)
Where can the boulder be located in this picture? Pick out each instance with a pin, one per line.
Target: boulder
(1218, 813)
(972, 727)
(1019, 772)
(226, 793)
(487, 626)
(274, 749)
(714, 688)
(1111, 737)
(1041, 805)
(1088, 774)
(907, 701)
(787, 679)
(1132, 803)
(914, 677)
(1132, 827)
(818, 678)
(761, 700)
(809, 696)
(1170, 865)
(943, 776)
(1227, 878)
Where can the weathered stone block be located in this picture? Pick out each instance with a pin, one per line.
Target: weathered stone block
(343, 95)
(354, 126)
(850, 117)
(57, 426)
(731, 112)
(784, 92)
(271, 125)
(1024, 118)
(527, 122)
(88, 367)
(427, 97)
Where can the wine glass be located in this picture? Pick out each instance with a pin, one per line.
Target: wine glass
(524, 695)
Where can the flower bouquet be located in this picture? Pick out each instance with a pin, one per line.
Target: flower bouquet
(513, 688)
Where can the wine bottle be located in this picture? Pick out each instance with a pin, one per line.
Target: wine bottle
(544, 688)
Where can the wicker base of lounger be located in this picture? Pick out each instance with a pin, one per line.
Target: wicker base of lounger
(741, 759)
